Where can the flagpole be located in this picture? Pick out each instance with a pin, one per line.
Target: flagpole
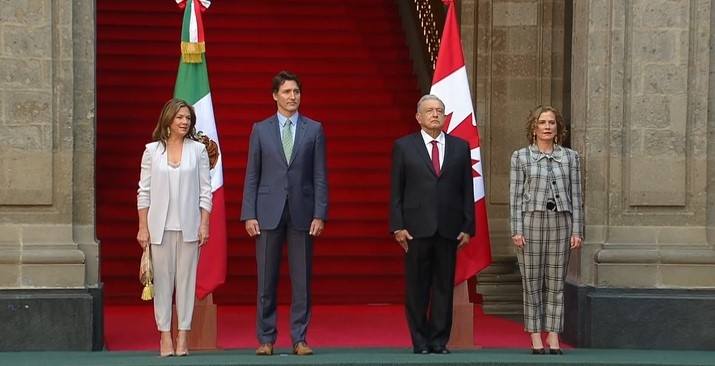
(451, 85)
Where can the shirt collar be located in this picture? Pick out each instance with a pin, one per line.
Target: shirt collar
(537, 155)
(428, 139)
(283, 119)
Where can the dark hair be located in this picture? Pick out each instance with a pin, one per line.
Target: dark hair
(284, 76)
(533, 119)
(166, 117)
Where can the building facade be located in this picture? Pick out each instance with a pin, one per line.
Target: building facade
(635, 82)
(633, 78)
(50, 293)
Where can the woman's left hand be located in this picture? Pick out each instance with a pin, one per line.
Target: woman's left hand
(203, 234)
(575, 242)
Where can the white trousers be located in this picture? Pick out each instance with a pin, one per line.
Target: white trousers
(175, 263)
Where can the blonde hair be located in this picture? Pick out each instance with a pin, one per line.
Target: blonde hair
(533, 118)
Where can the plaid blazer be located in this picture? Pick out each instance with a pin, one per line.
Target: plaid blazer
(536, 177)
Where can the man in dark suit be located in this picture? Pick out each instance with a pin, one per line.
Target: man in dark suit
(285, 198)
(431, 216)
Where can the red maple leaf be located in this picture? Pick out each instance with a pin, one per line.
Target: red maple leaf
(467, 132)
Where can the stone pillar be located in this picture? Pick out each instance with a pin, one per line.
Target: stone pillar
(50, 293)
(642, 86)
(519, 65)
(521, 62)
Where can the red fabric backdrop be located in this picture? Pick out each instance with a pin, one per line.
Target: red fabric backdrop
(357, 80)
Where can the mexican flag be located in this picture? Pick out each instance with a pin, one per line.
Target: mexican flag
(192, 85)
(450, 83)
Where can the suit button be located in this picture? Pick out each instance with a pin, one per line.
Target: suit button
(554, 182)
(557, 196)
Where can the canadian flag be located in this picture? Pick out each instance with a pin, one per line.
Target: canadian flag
(450, 83)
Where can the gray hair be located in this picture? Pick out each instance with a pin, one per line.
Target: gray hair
(427, 97)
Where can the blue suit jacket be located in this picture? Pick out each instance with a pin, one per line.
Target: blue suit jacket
(271, 180)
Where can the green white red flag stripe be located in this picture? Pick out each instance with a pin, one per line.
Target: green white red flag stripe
(193, 29)
(192, 85)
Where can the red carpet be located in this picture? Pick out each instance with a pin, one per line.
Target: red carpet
(132, 328)
(358, 80)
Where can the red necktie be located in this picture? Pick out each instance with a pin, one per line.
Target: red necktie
(435, 157)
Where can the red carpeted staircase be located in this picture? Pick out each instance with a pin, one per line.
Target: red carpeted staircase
(357, 80)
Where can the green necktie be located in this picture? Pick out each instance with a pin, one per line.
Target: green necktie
(287, 140)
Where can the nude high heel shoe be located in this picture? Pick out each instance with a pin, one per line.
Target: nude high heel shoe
(182, 343)
(166, 347)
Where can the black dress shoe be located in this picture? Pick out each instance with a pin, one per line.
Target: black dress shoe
(440, 350)
(555, 351)
(538, 351)
(421, 350)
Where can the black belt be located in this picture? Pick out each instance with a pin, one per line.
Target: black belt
(551, 206)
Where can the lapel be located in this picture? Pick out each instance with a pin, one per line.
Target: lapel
(186, 148)
(164, 157)
(301, 127)
(421, 148)
(449, 152)
(274, 128)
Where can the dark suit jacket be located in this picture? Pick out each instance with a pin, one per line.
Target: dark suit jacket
(270, 179)
(424, 203)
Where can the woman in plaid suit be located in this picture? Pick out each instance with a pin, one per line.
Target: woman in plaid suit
(546, 218)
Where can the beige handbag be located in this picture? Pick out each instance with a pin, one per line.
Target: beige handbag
(146, 274)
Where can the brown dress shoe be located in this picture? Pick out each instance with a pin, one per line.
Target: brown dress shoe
(265, 349)
(302, 349)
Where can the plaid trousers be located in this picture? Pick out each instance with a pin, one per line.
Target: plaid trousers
(543, 262)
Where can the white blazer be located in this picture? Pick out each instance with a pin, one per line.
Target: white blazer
(194, 188)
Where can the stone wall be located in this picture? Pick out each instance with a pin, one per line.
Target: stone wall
(47, 240)
(642, 90)
(633, 79)
(520, 63)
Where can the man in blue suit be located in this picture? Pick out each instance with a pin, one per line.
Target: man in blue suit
(285, 198)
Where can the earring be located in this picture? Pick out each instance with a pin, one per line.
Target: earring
(168, 132)
(556, 139)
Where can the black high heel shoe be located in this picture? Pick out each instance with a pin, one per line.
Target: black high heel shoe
(555, 351)
(538, 351)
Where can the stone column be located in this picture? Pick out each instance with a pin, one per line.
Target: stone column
(521, 62)
(50, 294)
(642, 86)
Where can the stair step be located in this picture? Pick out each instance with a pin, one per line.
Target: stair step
(500, 288)
(516, 310)
(355, 67)
(499, 278)
(502, 297)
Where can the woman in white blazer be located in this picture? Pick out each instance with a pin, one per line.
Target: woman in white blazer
(174, 203)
